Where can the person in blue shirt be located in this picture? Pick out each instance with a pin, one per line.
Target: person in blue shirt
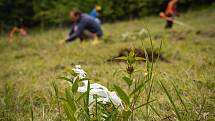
(95, 13)
(84, 27)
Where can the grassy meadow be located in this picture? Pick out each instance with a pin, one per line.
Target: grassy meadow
(31, 64)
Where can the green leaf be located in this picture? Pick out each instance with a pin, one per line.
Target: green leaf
(75, 85)
(127, 80)
(86, 101)
(131, 60)
(70, 101)
(122, 58)
(131, 57)
(122, 95)
(139, 59)
(131, 54)
(139, 87)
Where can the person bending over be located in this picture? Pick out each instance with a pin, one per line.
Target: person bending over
(170, 12)
(84, 27)
(17, 29)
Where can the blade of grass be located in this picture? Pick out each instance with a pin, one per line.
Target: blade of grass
(182, 102)
(86, 104)
(32, 110)
(156, 112)
(65, 78)
(70, 100)
(143, 105)
(176, 110)
(57, 97)
(159, 51)
(149, 94)
(81, 96)
(32, 114)
(69, 112)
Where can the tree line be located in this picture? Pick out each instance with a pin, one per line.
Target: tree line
(32, 13)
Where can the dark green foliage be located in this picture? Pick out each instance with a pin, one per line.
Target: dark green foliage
(55, 12)
(16, 13)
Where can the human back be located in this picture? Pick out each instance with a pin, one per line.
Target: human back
(171, 7)
(90, 24)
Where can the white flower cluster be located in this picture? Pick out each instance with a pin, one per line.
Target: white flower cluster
(104, 96)
(134, 35)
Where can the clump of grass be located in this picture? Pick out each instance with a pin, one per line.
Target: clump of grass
(12, 103)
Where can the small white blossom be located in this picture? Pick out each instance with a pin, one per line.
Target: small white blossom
(81, 73)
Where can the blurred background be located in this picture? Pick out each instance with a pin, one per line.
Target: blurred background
(34, 13)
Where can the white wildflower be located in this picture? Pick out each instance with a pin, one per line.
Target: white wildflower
(103, 94)
(81, 73)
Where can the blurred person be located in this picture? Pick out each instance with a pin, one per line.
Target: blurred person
(170, 13)
(96, 12)
(17, 29)
(84, 27)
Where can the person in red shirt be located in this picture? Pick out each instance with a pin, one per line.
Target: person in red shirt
(169, 13)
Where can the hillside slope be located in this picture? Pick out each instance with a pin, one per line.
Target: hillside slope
(30, 64)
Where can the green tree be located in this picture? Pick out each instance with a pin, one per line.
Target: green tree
(55, 12)
(16, 12)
